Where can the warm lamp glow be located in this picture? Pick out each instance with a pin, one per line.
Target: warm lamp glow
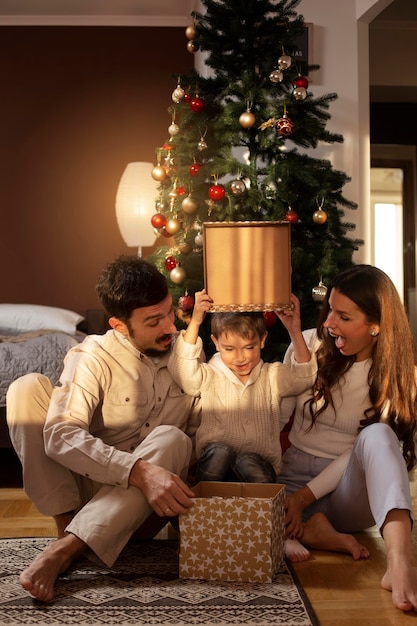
(135, 205)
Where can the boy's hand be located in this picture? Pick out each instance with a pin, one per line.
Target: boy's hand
(291, 317)
(202, 305)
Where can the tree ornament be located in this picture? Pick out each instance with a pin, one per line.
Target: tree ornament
(284, 126)
(201, 144)
(192, 46)
(216, 192)
(190, 32)
(194, 169)
(158, 220)
(300, 93)
(177, 275)
(319, 292)
(173, 226)
(270, 318)
(247, 119)
(181, 191)
(158, 173)
(178, 94)
(170, 263)
(301, 81)
(189, 205)
(284, 62)
(291, 216)
(185, 302)
(276, 76)
(319, 216)
(164, 232)
(173, 129)
(197, 104)
(184, 247)
(198, 240)
(168, 165)
(237, 187)
(187, 98)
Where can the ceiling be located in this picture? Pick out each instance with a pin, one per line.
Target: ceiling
(135, 12)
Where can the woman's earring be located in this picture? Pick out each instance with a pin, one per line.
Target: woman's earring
(373, 333)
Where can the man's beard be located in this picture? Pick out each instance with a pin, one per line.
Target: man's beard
(164, 348)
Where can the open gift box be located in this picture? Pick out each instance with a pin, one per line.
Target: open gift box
(233, 532)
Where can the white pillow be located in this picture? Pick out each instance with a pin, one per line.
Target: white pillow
(22, 318)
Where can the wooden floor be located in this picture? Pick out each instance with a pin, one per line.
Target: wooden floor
(343, 592)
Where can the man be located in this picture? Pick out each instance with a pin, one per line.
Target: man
(110, 444)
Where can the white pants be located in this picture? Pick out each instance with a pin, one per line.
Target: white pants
(374, 482)
(107, 515)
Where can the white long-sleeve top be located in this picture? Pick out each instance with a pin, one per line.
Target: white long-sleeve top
(245, 416)
(336, 429)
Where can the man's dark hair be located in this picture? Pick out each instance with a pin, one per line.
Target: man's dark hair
(130, 283)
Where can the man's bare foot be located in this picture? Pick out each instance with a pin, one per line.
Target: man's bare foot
(319, 534)
(295, 551)
(39, 578)
(401, 579)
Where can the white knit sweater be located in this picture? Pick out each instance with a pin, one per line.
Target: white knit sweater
(244, 416)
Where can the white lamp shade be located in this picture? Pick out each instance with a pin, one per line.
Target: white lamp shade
(135, 204)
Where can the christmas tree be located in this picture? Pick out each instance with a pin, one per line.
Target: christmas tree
(239, 149)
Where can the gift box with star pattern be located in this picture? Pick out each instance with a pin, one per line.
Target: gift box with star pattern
(233, 532)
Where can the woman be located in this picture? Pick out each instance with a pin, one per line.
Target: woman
(352, 441)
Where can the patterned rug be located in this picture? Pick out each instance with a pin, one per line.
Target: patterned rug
(143, 588)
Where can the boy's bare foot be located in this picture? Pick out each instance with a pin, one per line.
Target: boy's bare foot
(401, 579)
(39, 578)
(295, 551)
(319, 534)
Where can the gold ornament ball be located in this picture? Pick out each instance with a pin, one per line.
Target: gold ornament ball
(192, 46)
(320, 216)
(173, 226)
(247, 119)
(189, 205)
(177, 275)
(319, 292)
(190, 32)
(158, 173)
(184, 247)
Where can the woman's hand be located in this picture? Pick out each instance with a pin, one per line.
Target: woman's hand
(293, 516)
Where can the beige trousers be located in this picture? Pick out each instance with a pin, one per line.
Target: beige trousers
(106, 515)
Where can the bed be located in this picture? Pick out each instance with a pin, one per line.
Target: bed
(36, 338)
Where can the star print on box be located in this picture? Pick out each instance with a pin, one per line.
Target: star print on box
(233, 532)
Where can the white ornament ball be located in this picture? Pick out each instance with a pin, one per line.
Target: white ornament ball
(198, 240)
(300, 93)
(284, 62)
(177, 275)
(276, 76)
(173, 129)
(237, 187)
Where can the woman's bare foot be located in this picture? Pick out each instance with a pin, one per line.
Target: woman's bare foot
(319, 534)
(295, 551)
(401, 580)
(39, 578)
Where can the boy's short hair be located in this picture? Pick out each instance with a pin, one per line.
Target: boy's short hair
(242, 324)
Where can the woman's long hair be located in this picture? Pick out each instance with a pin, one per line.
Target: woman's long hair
(392, 377)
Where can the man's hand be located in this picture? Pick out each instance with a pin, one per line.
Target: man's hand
(166, 493)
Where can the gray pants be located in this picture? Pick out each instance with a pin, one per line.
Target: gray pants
(374, 482)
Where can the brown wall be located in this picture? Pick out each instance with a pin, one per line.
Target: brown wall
(77, 104)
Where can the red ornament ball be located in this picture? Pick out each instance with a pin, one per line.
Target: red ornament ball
(291, 216)
(180, 191)
(187, 98)
(270, 318)
(170, 263)
(194, 169)
(301, 81)
(197, 104)
(186, 302)
(216, 192)
(284, 126)
(158, 220)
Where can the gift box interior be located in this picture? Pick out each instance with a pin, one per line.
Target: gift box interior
(247, 265)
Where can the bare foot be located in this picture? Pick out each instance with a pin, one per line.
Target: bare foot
(39, 578)
(295, 551)
(319, 534)
(401, 579)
